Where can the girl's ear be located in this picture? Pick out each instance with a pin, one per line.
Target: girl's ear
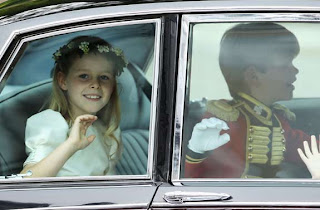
(62, 80)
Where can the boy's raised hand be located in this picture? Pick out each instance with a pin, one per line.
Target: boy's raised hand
(311, 157)
(79, 129)
(206, 135)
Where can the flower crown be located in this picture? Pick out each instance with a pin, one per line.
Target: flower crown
(84, 47)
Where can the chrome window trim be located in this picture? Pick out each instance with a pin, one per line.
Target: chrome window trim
(182, 80)
(80, 180)
(100, 186)
(153, 107)
(103, 206)
(154, 96)
(180, 96)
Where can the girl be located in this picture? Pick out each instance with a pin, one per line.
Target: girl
(79, 134)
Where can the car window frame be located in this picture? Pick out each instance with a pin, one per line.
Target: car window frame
(182, 84)
(17, 42)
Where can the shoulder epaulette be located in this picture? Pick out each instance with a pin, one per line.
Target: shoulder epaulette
(223, 110)
(286, 112)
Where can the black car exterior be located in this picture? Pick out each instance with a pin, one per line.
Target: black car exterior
(167, 51)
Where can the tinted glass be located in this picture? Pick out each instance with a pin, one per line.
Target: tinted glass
(111, 80)
(251, 101)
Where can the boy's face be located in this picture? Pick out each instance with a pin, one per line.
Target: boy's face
(276, 83)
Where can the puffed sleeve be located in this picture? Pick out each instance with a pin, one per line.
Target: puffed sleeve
(45, 131)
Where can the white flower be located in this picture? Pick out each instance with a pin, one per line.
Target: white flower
(56, 55)
(117, 51)
(103, 48)
(84, 46)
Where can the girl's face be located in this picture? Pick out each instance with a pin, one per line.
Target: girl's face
(89, 84)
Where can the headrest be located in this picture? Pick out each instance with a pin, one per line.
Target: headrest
(15, 109)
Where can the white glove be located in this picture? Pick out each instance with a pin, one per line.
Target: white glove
(206, 135)
(311, 157)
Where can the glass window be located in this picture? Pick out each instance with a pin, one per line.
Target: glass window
(251, 100)
(80, 102)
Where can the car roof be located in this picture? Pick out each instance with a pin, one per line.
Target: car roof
(13, 7)
(15, 10)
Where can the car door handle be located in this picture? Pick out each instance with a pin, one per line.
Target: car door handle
(178, 197)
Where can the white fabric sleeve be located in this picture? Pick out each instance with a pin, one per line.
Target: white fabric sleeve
(45, 131)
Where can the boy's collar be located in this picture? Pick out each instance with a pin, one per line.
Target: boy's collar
(257, 107)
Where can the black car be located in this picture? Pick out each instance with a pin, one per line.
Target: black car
(173, 72)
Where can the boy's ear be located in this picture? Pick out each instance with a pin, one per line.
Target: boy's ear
(62, 80)
(250, 76)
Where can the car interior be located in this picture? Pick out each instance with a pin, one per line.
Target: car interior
(29, 87)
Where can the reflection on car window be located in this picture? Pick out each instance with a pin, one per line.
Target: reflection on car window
(72, 105)
(252, 101)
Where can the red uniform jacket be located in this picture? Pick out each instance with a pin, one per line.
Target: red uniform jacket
(259, 142)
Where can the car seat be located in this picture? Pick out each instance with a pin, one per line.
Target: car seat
(18, 106)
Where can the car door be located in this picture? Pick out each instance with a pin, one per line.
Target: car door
(200, 81)
(27, 48)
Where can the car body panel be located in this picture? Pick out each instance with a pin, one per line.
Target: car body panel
(148, 191)
(99, 196)
(253, 196)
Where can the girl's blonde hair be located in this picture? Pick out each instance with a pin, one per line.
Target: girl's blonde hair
(64, 57)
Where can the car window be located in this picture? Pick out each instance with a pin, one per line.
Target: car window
(57, 78)
(251, 99)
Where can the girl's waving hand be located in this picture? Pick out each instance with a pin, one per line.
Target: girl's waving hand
(311, 157)
(79, 129)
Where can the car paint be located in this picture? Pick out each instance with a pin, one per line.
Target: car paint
(136, 192)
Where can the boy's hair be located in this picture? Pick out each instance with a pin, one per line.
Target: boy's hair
(64, 58)
(253, 44)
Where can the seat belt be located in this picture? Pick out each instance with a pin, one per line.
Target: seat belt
(140, 79)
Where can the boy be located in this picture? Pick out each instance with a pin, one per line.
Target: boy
(249, 136)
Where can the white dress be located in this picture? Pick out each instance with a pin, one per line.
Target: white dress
(46, 130)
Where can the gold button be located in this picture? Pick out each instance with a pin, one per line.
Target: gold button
(250, 148)
(283, 149)
(251, 129)
(282, 131)
(249, 156)
(283, 140)
(250, 139)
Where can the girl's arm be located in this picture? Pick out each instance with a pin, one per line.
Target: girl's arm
(311, 157)
(77, 140)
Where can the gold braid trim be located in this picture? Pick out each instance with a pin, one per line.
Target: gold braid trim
(286, 112)
(278, 146)
(222, 110)
(193, 160)
(257, 143)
